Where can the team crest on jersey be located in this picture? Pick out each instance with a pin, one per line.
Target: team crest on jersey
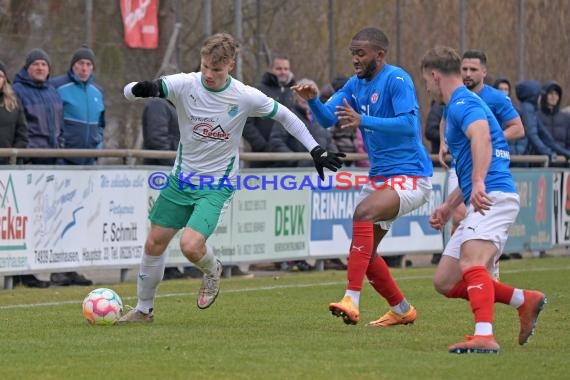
(233, 109)
(207, 132)
(374, 98)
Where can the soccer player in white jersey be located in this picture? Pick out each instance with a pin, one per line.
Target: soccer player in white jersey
(380, 99)
(486, 186)
(212, 109)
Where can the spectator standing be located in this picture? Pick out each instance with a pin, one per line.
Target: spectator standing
(42, 104)
(83, 106)
(83, 125)
(13, 128)
(540, 141)
(431, 131)
(14, 134)
(275, 83)
(43, 109)
(282, 141)
(160, 129)
(555, 121)
(503, 85)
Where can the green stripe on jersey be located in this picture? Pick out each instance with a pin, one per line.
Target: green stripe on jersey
(179, 159)
(164, 89)
(272, 113)
(230, 166)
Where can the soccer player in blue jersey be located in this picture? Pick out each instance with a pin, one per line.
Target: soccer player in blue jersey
(473, 73)
(380, 99)
(480, 150)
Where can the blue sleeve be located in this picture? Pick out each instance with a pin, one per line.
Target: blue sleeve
(325, 113)
(402, 92)
(399, 125)
(322, 113)
(471, 112)
(505, 110)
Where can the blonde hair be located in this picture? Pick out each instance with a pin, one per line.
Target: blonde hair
(220, 48)
(10, 101)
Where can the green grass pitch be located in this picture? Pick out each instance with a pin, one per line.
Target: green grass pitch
(280, 328)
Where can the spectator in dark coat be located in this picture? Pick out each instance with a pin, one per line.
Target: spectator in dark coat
(13, 128)
(275, 83)
(42, 105)
(160, 129)
(556, 122)
(540, 141)
(431, 131)
(281, 141)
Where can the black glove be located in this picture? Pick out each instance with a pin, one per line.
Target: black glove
(324, 159)
(146, 89)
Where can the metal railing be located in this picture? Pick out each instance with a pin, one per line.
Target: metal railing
(133, 154)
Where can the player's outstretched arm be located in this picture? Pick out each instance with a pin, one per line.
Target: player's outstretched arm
(324, 159)
(144, 89)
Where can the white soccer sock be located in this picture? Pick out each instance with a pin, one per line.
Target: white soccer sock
(401, 308)
(207, 263)
(355, 295)
(150, 274)
(483, 328)
(517, 299)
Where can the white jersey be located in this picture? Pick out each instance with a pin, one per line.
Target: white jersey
(211, 124)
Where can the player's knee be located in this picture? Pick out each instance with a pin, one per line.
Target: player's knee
(441, 285)
(362, 214)
(154, 247)
(192, 249)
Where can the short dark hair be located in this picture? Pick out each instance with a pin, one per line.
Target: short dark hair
(373, 35)
(277, 56)
(442, 58)
(475, 54)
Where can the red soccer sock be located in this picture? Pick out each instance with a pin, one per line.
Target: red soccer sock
(459, 291)
(503, 293)
(360, 253)
(481, 293)
(382, 281)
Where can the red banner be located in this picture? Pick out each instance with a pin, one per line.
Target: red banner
(140, 23)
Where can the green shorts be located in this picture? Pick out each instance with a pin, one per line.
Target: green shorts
(200, 210)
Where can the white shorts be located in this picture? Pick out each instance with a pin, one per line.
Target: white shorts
(452, 181)
(413, 193)
(493, 226)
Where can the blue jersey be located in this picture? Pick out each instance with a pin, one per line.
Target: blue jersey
(463, 109)
(390, 123)
(499, 103)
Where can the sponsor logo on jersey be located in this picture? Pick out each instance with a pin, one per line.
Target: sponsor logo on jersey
(374, 98)
(207, 132)
(233, 110)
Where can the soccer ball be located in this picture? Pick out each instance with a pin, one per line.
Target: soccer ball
(102, 307)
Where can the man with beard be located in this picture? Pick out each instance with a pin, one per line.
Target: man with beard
(380, 99)
(275, 83)
(473, 73)
(488, 190)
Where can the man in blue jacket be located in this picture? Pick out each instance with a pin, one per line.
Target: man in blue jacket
(83, 123)
(83, 106)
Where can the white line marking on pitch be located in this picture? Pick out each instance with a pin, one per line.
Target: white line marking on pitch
(262, 288)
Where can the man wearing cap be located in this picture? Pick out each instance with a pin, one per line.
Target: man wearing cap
(83, 106)
(42, 105)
